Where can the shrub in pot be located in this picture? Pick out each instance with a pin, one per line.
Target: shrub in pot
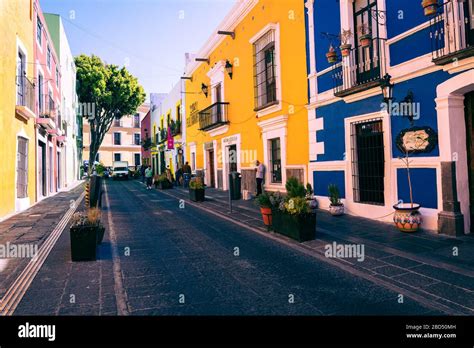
(162, 182)
(197, 191)
(295, 219)
(365, 36)
(336, 208)
(86, 232)
(310, 199)
(345, 45)
(264, 202)
(331, 55)
(407, 216)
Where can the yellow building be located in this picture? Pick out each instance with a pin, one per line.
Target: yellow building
(17, 102)
(246, 97)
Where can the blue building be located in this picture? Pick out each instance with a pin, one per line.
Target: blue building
(405, 84)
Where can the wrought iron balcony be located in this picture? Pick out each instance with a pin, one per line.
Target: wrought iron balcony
(360, 70)
(48, 109)
(25, 92)
(213, 116)
(451, 32)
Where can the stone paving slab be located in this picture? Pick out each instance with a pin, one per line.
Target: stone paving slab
(32, 226)
(421, 262)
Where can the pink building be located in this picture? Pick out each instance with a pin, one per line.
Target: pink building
(146, 134)
(49, 134)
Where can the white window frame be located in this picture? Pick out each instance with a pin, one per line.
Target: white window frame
(276, 28)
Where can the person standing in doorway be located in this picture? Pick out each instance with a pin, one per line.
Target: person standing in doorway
(260, 175)
(149, 177)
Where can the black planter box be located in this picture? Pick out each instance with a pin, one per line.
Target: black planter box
(83, 243)
(299, 227)
(197, 195)
(165, 185)
(100, 234)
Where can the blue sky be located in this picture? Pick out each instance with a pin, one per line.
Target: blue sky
(150, 37)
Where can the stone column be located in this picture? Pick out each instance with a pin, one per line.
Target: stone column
(450, 220)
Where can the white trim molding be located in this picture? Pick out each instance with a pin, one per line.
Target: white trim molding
(275, 127)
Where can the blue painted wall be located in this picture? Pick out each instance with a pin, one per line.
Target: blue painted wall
(402, 15)
(415, 45)
(424, 90)
(327, 19)
(425, 190)
(322, 179)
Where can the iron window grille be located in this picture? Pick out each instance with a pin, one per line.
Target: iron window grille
(368, 161)
(275, 160)
(265, 72)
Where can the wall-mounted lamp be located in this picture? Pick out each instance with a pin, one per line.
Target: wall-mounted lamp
(387, 88)
(229, 68)
(230, 33)
(205, 89)
(207, 60)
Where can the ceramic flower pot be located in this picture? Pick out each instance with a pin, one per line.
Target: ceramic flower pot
(365, 40)
(336, 210)
(331, 57)
(267, 215)
(430, 7)
(407, 217)
(346, 50)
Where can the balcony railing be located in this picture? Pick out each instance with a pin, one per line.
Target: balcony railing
(214, 116)
(25, 93)
(49, 107)
(360, 70)
(450, 32)
(163, 135)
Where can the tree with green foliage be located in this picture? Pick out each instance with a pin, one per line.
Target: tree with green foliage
(111, 91)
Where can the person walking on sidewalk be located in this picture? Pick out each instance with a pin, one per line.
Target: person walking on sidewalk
(149, 177)
(260, 174)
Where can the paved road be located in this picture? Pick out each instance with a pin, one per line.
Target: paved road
(177, 260)
(185, 261)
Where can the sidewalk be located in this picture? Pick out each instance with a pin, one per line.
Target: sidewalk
(421, 263)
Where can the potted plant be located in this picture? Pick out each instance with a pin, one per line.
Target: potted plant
(430, 7)
(336, 208)
(294, 219)
(310, 199)
(292, 216)
(197, 191)
(86, 232)
(162, 182)
(345, 47)
(365, 38)
(331, 55)
(407, 216)
(265, 204)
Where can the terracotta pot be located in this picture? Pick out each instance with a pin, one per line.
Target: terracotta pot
(430, 7)
(365, 40)
(336, 210)
(267, 215)
(346, 50)
(407, 217)
(332, 57)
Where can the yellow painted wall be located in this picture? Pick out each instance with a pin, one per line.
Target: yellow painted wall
(239, 91)
(15, 21)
